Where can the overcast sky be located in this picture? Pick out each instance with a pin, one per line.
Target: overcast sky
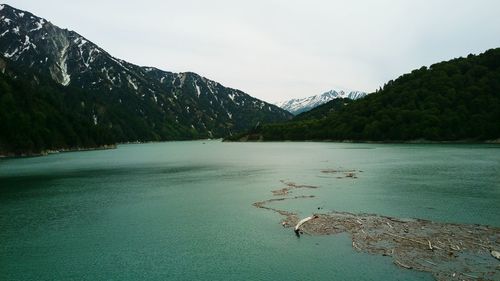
(276, 50)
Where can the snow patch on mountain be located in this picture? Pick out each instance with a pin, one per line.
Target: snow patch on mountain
(132, 83)
(198, 91)
(297, 106)
(7, 55)
(119, 62)
(38, 25)
(59, 71)
(27, 45)
(63, 63)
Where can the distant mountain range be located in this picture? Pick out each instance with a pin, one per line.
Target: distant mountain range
(118, 101)
(456, 100)
(297, 106)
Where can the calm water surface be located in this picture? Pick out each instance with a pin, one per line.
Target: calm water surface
(183, 210)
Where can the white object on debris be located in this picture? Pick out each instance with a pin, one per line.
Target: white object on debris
(496, 254)
(301, 222)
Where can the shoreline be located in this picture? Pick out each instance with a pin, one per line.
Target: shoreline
(114, 146)
(419, 141)
(56, 151)
(79, 149)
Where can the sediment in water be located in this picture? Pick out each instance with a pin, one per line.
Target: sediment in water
(449, 251)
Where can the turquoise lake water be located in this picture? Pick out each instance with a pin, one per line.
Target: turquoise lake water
(183, 210)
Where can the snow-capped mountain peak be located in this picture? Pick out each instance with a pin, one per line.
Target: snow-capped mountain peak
(297, 106)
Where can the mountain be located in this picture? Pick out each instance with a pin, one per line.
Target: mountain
(71, 77)
(297, 106)
(457, 100)
(324, 110)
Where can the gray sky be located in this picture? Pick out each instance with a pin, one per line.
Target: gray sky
(276, 50)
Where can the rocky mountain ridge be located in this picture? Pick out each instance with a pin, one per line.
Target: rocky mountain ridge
(132, 102)
(297, 106)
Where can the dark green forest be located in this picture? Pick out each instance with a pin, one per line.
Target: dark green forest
(38, 114)
(457, 100)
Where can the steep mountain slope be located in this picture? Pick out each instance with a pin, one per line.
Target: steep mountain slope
(324, 110)
(450, 101)
(297, 106)
(128, 102)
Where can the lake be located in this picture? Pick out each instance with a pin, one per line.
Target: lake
(183, 210)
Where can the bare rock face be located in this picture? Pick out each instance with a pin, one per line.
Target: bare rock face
(59, 69)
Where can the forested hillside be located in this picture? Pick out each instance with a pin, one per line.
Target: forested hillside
(40, 115)
(449, 101)
(58, 90)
